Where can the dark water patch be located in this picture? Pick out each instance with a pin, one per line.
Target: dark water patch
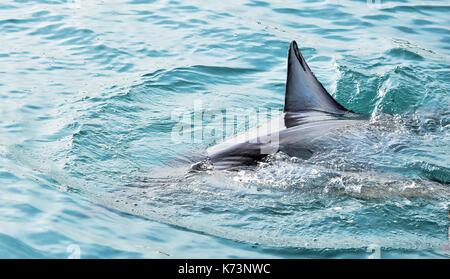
(7, 7)
(139, 2)
(426, 10)
(109, 57)
(7, 176)
(168, 23)
(187, 8)
(41, 16)
(331, 12)
(302, 26)
(378, 17)
(405, 29)
(355, 23)
(48, 29)
(404, 54)
(154, 53)
(445, 39)
(339, 38)
(421, 22)
(28, 210)
(257, 3)
(151, 17)
(198, 21)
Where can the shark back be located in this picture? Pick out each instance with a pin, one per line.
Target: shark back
(310, 113)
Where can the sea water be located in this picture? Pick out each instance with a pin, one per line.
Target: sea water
(94, 94)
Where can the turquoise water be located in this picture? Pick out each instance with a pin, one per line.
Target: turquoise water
(87, 95)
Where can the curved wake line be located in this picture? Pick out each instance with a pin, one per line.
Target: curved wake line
(52, 175)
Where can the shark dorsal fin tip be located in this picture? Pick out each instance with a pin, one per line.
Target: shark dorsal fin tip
(303, 90)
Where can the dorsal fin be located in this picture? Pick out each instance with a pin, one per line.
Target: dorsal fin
(303, 90)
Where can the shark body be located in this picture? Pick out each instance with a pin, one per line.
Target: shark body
(311, 116)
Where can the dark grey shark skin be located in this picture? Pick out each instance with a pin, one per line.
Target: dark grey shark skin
(310, 116)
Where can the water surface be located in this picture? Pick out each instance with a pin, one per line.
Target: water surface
(87, 95)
